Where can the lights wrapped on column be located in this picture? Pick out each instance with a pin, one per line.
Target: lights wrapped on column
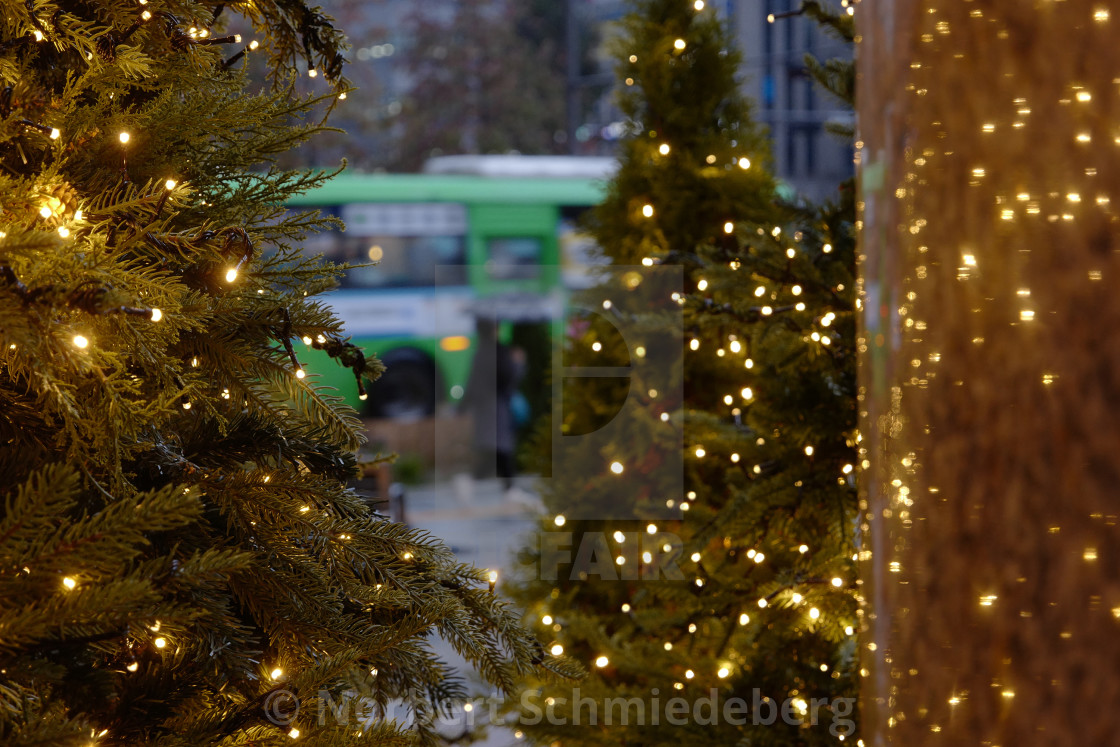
(990, 340)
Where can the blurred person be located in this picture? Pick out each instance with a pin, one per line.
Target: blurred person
(496, 372)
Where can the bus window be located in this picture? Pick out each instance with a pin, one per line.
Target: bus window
(403, 261)
(513, 258)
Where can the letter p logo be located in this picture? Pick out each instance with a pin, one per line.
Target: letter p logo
(617, 443)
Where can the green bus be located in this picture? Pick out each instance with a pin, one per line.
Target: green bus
(470, 235)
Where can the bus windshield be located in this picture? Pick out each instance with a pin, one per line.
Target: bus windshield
(397, 245)
(401, 261)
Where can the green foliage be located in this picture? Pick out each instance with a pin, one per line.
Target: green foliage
(178, 544)
(749, 588)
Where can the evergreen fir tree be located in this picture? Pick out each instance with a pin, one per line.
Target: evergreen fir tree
(747, 588)
(181, 562)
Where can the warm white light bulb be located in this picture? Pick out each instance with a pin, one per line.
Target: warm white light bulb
(125, 137)
(156, 315)
(231, 274)
(80, 341)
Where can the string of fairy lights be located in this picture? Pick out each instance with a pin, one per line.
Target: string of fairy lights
(1014, 197)
(822, 334)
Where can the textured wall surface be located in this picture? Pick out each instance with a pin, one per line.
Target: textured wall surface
(990, 371)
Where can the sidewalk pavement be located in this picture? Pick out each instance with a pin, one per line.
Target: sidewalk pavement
(484, 526)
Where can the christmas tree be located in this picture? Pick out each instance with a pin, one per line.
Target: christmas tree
(711, 599)
(181, 561)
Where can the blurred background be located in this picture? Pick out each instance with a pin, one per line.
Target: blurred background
(479, 133)
(534, 77)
